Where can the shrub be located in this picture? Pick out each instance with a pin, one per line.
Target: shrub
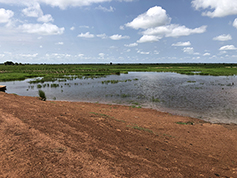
(42, 95)
(39, 86)
(54, 85)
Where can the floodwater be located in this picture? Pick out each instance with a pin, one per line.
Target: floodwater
(210, 98)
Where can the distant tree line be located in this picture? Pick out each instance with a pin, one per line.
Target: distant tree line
(11, 63)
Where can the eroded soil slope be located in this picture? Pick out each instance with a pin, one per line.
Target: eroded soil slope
(69, 139)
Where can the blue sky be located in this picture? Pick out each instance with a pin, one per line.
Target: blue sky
(121, 31)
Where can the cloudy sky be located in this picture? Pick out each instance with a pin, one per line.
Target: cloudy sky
(121, 31)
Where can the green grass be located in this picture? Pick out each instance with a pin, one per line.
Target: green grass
(185, 123)
(135, 103)
(135, 106)
(71, 71)
(149, 131)
(42, 95)
(167, 135)
(99, 114)
(140, 128)
(106, 116)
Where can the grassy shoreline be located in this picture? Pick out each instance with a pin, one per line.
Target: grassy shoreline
(50, 72)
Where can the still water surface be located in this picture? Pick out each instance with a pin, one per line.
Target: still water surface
(209, 98)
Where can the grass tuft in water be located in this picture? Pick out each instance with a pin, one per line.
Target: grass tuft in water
(153, 99)
(39, 86)
(42, 95)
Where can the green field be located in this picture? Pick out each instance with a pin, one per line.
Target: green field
(67, 71)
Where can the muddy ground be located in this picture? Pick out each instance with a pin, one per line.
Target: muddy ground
(73, 139)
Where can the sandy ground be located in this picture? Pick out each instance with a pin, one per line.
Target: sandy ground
(72, 139)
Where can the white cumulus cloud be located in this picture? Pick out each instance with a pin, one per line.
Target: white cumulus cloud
(221, 8)
(34, 10)
(84, 26)
(29, 55)
(131, 45)
(182, 44)
(42, 29)
(235, 23)
(156, 52)
(223, 37)
(101, 55)
(86, 35)
(227, 48)
(45, 18)
(62, 4)
(121, 27)
(143, 52)
(174, 30)
(156, 25)
(148, 38)
(5, 15)
(206, 54)
(110, 9)
(184, 31)
(155, 16)
(102, 36)
(118, 37)
(188, 50)
(80, 55)
(59, 43)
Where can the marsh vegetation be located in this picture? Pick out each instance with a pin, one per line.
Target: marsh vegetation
(70, 71)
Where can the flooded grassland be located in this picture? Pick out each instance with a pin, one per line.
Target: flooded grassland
(211, 98)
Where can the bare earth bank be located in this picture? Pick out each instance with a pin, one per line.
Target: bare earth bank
(72, 139)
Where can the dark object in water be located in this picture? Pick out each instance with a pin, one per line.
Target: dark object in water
(2, 88)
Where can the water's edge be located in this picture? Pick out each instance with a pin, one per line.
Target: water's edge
(210, 98)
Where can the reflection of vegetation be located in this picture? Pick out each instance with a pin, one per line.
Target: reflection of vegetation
(135, 103)
(116, 81)
(54, 85)
(72, 71)
(153, 99)
(45, 79)
(125, 95)
(141, 97)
